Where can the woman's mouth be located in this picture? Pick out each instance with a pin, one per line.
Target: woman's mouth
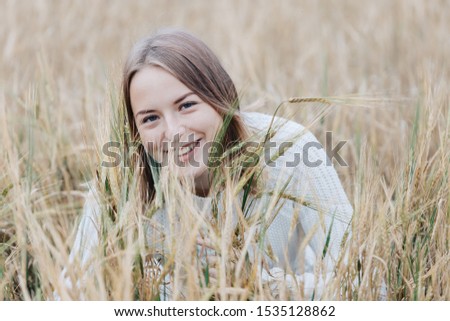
(185, 152)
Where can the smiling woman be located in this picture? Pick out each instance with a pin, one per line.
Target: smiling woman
(169, 115)
(252, 223)
(159, 74)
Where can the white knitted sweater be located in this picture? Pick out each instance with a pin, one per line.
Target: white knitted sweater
(317, 185)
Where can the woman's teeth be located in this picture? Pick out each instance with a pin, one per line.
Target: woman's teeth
(185, 150)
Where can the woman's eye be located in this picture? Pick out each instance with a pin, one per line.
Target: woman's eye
(187, 105)
(150, 119)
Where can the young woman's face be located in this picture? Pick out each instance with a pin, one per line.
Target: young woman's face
(174, 124)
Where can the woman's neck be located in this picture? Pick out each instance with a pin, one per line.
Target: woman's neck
(202, 184)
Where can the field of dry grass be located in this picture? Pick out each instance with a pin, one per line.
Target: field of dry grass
(60, 64)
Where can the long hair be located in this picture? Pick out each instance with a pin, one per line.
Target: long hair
(189, 60)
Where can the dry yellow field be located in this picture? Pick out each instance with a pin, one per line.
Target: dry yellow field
(386, 62)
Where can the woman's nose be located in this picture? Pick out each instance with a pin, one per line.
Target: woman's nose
(175, 130)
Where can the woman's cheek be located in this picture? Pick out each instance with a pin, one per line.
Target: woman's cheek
(148, 142)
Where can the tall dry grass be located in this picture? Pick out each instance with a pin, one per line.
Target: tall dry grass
(60, 67)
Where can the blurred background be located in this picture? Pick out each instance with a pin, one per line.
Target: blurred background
(60, 68)
(70, 54)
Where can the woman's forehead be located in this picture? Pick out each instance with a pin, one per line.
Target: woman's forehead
(155, 86)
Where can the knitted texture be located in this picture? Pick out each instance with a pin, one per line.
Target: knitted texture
(315, 206)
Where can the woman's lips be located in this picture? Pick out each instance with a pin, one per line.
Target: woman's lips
(186, 151)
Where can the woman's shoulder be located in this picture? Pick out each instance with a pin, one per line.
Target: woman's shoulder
(92, 193)
(284, 130)
(262, 121)
(92, 207)
(285, 149)
(295, 159)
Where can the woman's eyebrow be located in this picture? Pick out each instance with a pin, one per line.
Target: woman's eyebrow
(148, 111)
(183, 97)
(143, 112)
